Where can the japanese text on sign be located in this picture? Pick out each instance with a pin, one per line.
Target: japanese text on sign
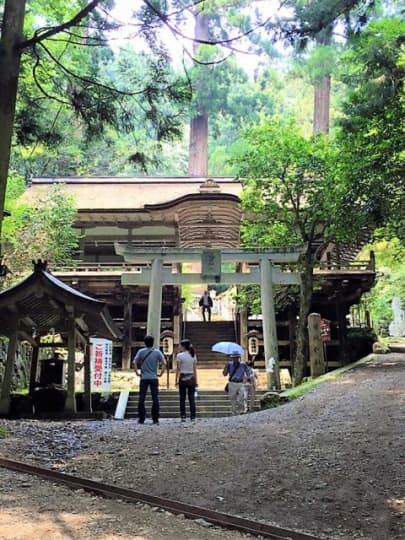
(101, 364)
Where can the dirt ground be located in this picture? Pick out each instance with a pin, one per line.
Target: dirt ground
(331, 463)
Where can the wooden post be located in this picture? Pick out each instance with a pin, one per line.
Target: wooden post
(87, 378)
(316, 356)
(34, 366)
(127, 337)
(243, 321)
(292, 333)
(8, 375)
(71, 360)
(341, 320)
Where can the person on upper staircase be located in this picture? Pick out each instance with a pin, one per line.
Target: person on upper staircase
(206, 305)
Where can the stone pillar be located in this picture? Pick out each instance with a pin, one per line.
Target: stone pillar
(269, 323)
(8, 375)
(71, 371)
(155, 301)
(316, 355)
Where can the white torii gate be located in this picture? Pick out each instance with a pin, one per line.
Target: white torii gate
(163, 271)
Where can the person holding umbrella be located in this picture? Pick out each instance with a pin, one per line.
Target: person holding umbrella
(238, 375)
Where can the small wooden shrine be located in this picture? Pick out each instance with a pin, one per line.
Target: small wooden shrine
(40, 305)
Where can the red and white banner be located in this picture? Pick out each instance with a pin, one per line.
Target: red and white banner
(100, 364)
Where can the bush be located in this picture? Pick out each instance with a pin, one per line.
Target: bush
(359, 343)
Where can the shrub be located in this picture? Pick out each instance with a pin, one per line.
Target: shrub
(359, 343)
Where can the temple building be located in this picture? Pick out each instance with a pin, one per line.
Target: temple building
(158, 213)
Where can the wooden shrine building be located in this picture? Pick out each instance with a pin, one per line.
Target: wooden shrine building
(40, 305)
(158, 213)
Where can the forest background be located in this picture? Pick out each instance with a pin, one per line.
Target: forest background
(105, 97)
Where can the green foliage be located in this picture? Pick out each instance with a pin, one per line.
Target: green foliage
(372, 129)
(390, 283)
(4, 432)
(292, 190)
(359, 343)
(75, 92)
(40, 229)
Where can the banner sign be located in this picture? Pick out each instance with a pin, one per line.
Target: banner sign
(325, 330)
(100, 364)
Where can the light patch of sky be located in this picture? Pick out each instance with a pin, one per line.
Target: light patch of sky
(128, 32)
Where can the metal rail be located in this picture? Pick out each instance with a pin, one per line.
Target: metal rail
(194, 512)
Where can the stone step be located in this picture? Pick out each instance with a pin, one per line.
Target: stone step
(210, 404)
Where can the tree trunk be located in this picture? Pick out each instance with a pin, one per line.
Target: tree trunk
(301, 354)
(198, 147)
(322, 105)
(10, 56)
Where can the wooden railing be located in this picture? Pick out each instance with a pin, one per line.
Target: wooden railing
(121, 266)
(352, 266)
(84, 266)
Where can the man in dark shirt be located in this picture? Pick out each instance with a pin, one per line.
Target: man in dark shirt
(206, 304)
(150, 364)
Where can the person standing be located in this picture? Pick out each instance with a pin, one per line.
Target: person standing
(186, 378)
(238, 375)
(150, 364)
(206, 305)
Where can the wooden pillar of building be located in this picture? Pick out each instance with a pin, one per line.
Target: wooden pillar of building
(269, 323)
(243, 322)
(292, 333)
(342, 331)
(8, 375)
(127, 333)
(87, 378)
(71, 368)
(316, 356)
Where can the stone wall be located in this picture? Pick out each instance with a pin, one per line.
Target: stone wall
(21, 374)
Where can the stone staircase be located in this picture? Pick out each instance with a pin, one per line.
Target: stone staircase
(210, 404)
(203, 335)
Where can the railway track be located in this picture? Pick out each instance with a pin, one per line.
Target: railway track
(194, 512)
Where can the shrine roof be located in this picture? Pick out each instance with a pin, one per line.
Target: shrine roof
(42, 301)
(136, 193)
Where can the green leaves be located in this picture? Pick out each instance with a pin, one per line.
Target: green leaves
(292, 189)
(42, 229)
(372, 130)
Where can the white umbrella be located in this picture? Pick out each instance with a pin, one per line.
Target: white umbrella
(227, 347)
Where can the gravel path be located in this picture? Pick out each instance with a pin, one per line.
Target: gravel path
(330, 463)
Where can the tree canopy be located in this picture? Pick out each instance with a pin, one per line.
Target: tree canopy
(293, 195)
(372, 128)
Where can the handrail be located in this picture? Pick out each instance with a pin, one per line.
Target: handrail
(84, 266)
(344, 265)
(115, 266)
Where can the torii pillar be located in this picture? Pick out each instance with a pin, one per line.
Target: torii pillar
(155, 300)
(269, 323)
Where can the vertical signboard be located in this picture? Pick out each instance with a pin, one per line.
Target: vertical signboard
(325, 330)
(100, 364)
(211, 265)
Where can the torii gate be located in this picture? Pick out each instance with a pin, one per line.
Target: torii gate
(164, 265)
